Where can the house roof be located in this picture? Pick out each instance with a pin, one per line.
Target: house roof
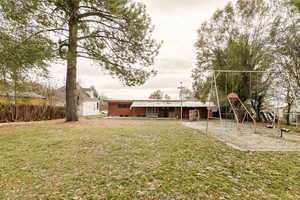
(86, 89)
(21, 94)
(170, 103)
(83, 94)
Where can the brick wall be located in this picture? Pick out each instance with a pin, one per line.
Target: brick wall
(139, 112)
(115, 111)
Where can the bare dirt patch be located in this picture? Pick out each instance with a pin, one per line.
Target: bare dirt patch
(262, 140)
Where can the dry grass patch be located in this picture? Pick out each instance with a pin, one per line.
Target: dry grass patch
(121, 159)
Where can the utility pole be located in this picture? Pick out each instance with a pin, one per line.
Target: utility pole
(180, 93)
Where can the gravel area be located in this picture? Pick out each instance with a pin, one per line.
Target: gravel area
(263, 139)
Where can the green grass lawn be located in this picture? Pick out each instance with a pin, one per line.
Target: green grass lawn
(118, 159)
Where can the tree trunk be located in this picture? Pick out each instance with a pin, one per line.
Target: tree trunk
(288, 114)
(71, 80)
(15, 96)
(289, 106)
(257, 114)
(257, 110)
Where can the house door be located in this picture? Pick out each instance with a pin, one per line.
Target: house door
(166, 112)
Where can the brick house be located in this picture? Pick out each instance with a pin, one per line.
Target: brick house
(155, 108)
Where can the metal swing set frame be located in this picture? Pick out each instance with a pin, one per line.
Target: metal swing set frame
(234, 99)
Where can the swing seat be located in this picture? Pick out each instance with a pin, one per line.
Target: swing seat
(269, 126)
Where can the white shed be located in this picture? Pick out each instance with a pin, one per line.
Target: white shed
(88, 104)
(88, 108)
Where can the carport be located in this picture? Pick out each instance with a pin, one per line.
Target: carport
(170, 109)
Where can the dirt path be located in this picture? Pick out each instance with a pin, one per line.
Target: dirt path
(263, 140)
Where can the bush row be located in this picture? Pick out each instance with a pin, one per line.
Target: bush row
(25, 113)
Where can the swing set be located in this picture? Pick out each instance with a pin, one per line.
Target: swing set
(242, 112)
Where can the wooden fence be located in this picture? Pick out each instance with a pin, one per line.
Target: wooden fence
(25, 113)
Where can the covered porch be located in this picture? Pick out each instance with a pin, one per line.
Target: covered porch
(170, 109)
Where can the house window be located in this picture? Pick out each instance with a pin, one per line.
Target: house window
(124, 105)
(151, 110)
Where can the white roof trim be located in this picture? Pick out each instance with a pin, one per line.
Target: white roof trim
(157, 104)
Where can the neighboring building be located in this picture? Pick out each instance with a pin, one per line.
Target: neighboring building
(88, 104)
(29, 98)
(155, 108)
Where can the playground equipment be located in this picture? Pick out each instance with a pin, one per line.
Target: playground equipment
(241, 111)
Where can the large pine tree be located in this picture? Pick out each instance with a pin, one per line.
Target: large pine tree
(115, 33)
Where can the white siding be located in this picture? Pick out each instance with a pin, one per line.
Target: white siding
(80, 110)
(89, 108)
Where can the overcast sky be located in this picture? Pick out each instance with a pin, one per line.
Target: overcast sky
(176, 23)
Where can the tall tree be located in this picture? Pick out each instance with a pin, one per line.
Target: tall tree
(167, 97)
(289, 99)
(286, 38)
(115, 33)
(186, 94)
(158, 94)
(295, 3)
(20, 58)
(103, 104)
(237, 37)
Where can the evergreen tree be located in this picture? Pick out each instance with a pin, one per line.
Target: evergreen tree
(114, 33)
